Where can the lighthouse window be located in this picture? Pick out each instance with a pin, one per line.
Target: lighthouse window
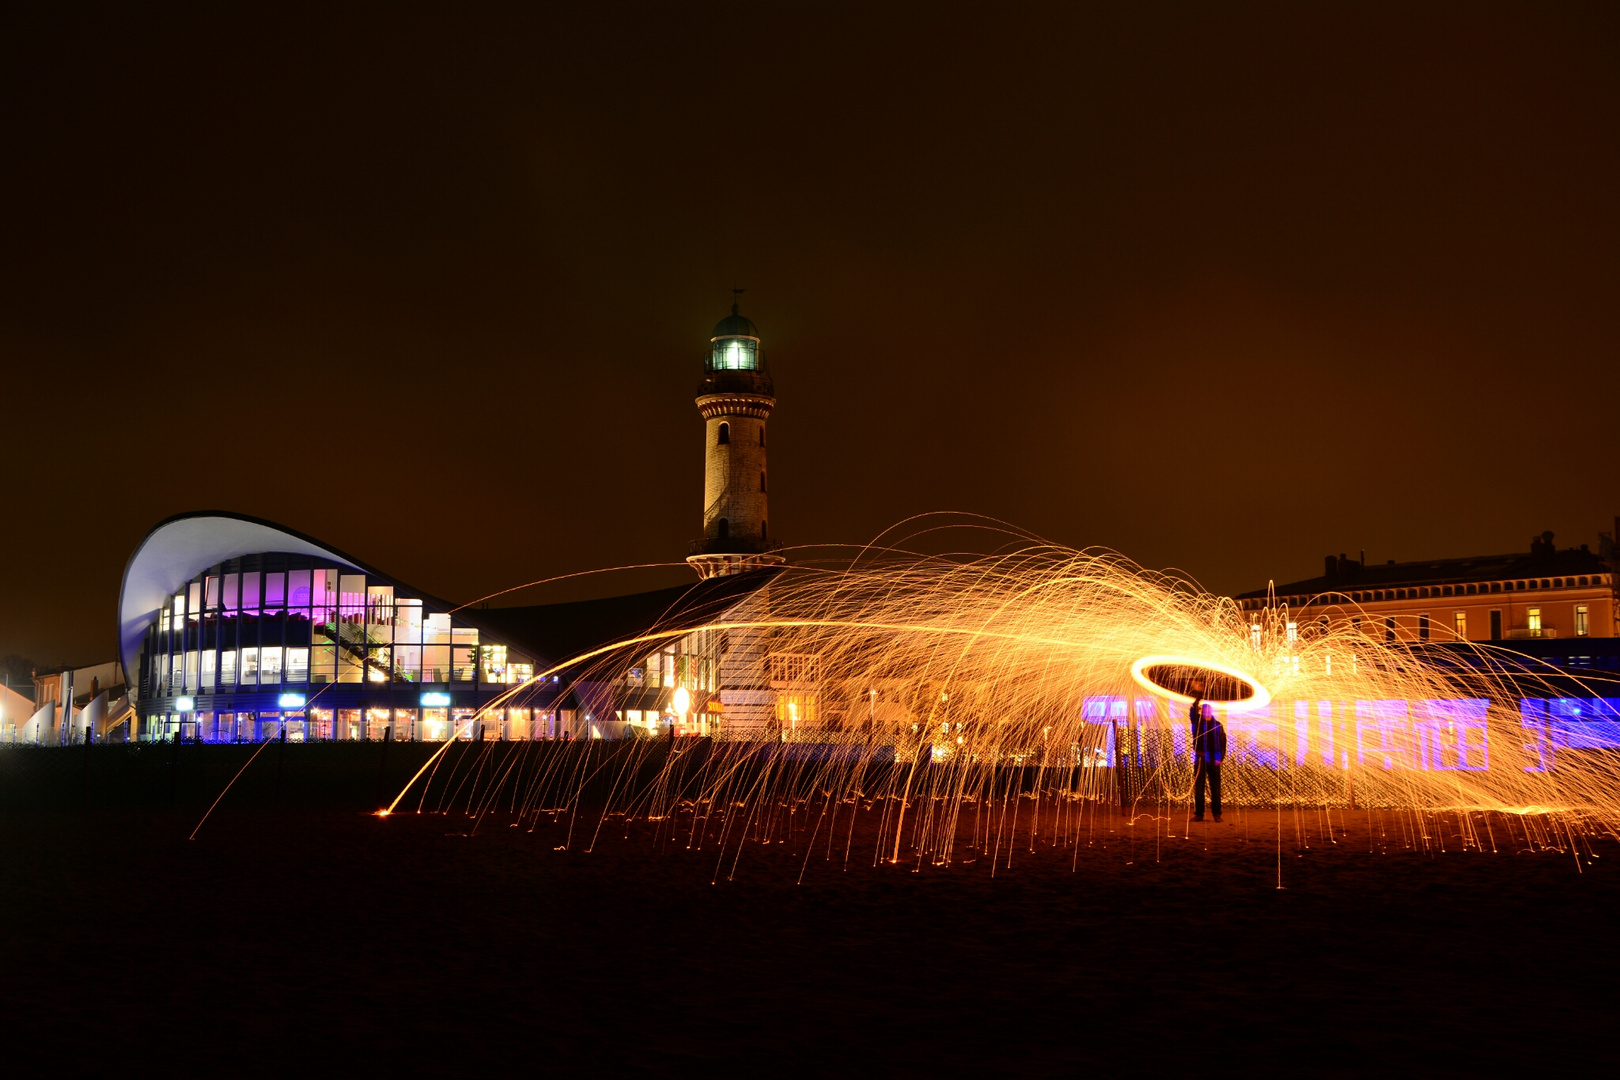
(762, 436)
(765, 533)
(725, 528)
(762, 481)
(725, 435)
(735, 354)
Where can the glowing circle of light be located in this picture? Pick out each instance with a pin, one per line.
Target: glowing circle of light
(683, 700)
(1259, 699)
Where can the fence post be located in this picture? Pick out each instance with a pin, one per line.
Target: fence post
(86, 777)
(382, 764)
(281, 753)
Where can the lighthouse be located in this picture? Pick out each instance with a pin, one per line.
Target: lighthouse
(735, 400)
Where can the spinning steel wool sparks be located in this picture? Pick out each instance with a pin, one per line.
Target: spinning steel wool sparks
(962, 699)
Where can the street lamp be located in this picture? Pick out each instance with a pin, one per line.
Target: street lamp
(681, 702)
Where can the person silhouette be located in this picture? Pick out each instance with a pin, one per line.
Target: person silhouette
(1209, 750)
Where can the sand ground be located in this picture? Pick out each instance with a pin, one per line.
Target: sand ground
(304, 939)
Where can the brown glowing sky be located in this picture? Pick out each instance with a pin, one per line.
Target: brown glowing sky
(1224, 289)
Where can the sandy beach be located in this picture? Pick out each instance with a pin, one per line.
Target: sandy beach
(311, 939)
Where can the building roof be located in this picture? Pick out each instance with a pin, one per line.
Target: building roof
(735, 325)
(558, 632)
(1542, 561)
(181, 546)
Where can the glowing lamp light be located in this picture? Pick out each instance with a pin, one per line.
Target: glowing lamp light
(291, 701)
(434, 700)
(1180, 671)
(185, 704)
(682, 700)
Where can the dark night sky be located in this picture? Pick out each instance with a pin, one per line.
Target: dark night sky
(1223, 288)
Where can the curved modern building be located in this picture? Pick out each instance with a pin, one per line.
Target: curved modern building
(228, 623)
(233, 628)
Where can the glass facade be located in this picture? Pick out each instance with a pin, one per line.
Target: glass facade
(271, 643)
(734, 354)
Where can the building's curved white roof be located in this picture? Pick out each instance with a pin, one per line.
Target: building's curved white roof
(180, 548)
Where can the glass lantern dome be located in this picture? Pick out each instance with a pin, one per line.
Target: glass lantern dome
(734, 346)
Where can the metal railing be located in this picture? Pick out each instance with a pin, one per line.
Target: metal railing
(732, 545)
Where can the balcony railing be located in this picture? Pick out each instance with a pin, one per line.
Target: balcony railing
(1538, 632)
(732, 545)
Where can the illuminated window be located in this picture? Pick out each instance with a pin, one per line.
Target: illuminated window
(408, 622)
(1533, 621)
(380, 613)
(269, 666)
(435, 663)
(1293, 633)
(1580, 620)
(1459, 624)
(275, 592)
(494, 657)
(725, 435)
(298, 588)
(734, 354)
(322, 663)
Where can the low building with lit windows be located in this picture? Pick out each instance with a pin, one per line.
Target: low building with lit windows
(1549, 602)
(236, 629)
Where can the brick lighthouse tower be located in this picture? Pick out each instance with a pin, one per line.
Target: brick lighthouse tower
(735, 399)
